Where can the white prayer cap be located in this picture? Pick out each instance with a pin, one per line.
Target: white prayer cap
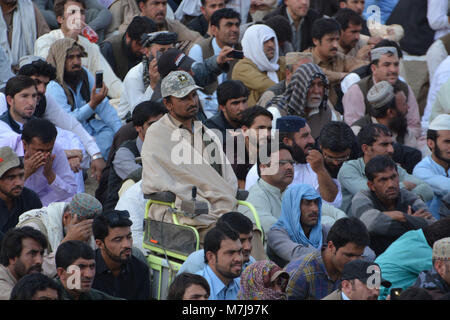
(441, 122)
(28, 59)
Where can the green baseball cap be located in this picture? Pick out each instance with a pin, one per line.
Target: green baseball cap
(178, 84)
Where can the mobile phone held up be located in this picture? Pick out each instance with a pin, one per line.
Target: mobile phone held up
(98, 80)
(236, 54)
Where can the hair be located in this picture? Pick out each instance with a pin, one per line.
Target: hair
(146, 110)
(378, 164)
(324, 26)
(387, 43)
(182, 282)
(432, 135)
(346, 16)
(214, 237)
(347, 230)
(414, 293)
(12, 242)
(38, 68)
(282, 28)
(437, 231)
(370, 133)
(30, 284)
(58, 7)
(237, 221)
(69, 251)
(381, 112)
(140, 25)
(224, 13)
(337, 136)
(270, 150)
(249, 115)
(42, 129)
(231, 89)
(101, 226)
(17, 84)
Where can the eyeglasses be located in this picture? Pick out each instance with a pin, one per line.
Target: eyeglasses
(343, 159)
(116, 216)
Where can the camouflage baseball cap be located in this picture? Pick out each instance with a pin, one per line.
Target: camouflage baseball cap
(441, 249)
(178, 84)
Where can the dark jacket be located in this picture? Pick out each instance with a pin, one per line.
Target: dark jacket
(200, 25)
(306, 29)
(433, 283)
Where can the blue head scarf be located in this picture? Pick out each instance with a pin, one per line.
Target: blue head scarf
(290, 215)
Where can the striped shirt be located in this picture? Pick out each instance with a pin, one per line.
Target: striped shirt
(309, 279)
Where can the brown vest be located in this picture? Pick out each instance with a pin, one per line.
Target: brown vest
(120, 57)
(446, 41)
(208, 51)
(366, 83)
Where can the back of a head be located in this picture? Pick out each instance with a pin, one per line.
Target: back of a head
(42, 129)
(237, 221)
(437, 231)
(30, 284)
(224, 13)
(324, 26)
(70, 251)
(38, 68)
(370, 133)
(346, 230)
(231, 89)
(182, 282)
(346, 16)
(378, 164)
(337, 136)
(282, 28)
(146, 110)
(249, 115)
(214, 237)
(17, 84)
(12, 242)
(140, 25)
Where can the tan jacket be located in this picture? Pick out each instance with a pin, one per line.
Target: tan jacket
(7, 282)
(256, 81)
(335, 295)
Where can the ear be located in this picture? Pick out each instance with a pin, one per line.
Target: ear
(431, 144)
(66, 218)
(142, 5)
(331, 246)
(373, 67)
(210, 256)
(370, 185)
(316, 42)
(61, 273)
(346, 285)
(221, 108)
(214, 30)
(202, 9)
(288, 141)
(342, 5)
(99, 243)
(391, 113)
(364, 148)
(12, 261)
(10, 100)
(60, 20)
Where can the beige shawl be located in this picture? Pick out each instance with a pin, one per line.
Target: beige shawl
(162, 173)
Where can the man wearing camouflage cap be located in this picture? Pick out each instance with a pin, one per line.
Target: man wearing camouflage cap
(437, 280)
(62, 221)
(179, 153)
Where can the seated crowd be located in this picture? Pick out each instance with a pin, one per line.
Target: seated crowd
(286, 134)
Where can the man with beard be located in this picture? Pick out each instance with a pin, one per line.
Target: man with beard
(22, 254)
(62, 221)
(223, 257)
(15, 199)
(117, 272)
(75, 260)
(75, 91)
(435, 168)
(124, 50)
(375, 139)
(310, 166)
(385, 67)
(388, 107)
(225, 33)
(386, 210)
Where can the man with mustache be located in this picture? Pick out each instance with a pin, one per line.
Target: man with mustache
(335, 65)
(434, 169)
(124, 50)
(75, 262)
(384, 66)
(117, 272)
(22, 254)
(62, 221)
(223, 255)
(388, 107)
(387, 210)
(358, 282)
(375, 139)
(75, 91)
(225, 32)
(15, 199)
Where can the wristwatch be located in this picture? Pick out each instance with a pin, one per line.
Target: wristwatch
(97, 156)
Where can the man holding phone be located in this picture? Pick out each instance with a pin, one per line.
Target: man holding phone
(225, 33)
